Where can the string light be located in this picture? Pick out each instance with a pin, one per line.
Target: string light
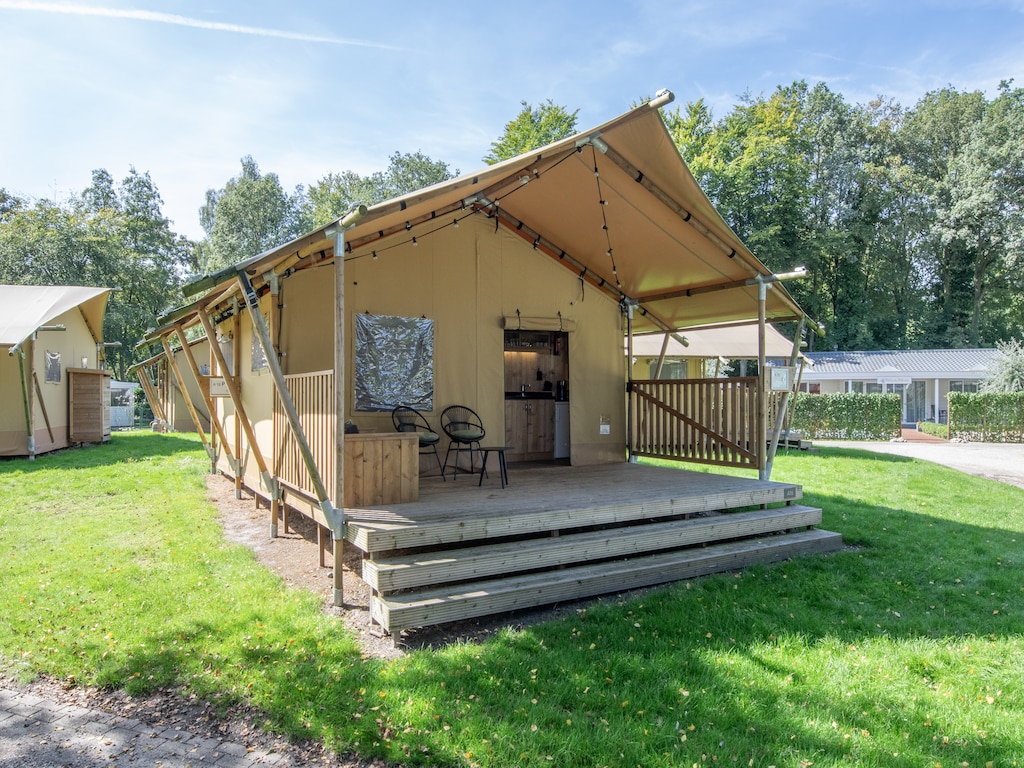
(455, 223)
(374, 255)
(414, 241)
(604, 217)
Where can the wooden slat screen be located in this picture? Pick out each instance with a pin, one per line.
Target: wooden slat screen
(707, 421)
(313, 395)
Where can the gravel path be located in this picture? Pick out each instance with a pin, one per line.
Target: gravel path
(44, 725)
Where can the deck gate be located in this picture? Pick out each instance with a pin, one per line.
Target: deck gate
(707, 421)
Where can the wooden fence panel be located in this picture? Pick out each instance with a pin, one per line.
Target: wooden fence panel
(313, 395)
(708, 421)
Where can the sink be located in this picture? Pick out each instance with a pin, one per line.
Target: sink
(528, 395)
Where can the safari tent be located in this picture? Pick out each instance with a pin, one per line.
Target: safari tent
(175, 395)
(508, 291)
(54, 392)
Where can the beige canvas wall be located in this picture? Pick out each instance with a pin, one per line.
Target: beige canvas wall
(465, 280)
(73, 345)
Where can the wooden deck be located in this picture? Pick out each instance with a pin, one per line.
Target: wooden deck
(559, 533)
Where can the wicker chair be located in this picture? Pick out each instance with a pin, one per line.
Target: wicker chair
(408, 419)
(465, 431)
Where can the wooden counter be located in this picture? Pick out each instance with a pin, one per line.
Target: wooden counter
(381, 468)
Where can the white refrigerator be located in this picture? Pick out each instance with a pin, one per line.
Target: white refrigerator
(561, 429)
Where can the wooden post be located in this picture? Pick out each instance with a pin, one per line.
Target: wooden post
(184, 393)
(780, 417)
(630, 397)
(216, 426)
(762, 381)
(338, 523)
(340, 407)
(236, 362)
(154, 399)
(236, 398)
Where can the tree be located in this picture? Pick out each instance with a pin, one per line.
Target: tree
(251, 214)
(531, 129)
(934, 135)
(987, 203)
(112, 236)
(1006, 373)
(9, 203)
(336, 193)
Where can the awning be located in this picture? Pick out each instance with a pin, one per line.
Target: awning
(24, 308)
(732, 343)
(616, 205)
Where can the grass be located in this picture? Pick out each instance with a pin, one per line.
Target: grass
(903, 650)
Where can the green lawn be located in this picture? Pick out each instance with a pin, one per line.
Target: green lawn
(907, 649)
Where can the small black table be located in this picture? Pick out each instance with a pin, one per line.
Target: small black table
(503, 470)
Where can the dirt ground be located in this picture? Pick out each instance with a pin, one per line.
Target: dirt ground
(294, 556)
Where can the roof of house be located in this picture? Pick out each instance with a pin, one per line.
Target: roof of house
(925, 363)
(616, 205)
(24, 308)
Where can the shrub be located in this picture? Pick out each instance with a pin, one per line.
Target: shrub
(848, 416)
(986, 417)
(931, 428)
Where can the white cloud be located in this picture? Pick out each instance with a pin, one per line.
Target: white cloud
(182, 21)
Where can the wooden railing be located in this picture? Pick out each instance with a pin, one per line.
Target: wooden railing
(313, 395)
(708, 421)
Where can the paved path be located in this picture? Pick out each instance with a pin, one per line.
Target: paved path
(997, 461)
(37, 732)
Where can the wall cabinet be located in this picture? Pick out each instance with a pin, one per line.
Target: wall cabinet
(530, 429)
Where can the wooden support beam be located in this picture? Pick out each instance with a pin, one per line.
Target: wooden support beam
(235, 393)
(42, 403)
(165, 339)
(210, 405)
(147, 386)
(236, 362)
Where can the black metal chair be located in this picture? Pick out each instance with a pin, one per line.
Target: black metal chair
(408, 419)
(465, 431)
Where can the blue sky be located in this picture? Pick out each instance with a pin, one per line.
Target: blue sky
(184, 88)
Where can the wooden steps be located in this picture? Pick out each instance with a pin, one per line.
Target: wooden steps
(436, 606)
(389, 574)
(558, 533)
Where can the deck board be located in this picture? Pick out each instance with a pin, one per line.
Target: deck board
(552, 498)
(423, 608)
(389, 574)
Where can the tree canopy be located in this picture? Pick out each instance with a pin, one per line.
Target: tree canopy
(532, 128)
(249, 215)
(111, 236)
(908, 220)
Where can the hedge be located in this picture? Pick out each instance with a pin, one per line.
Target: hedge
(848, 416)
(931, 428)
(986, 417)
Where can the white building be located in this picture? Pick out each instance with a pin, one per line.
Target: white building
(922, 377)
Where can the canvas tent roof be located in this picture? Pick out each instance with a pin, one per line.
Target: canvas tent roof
(733, 342)
(616, 205)
(24, 308)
